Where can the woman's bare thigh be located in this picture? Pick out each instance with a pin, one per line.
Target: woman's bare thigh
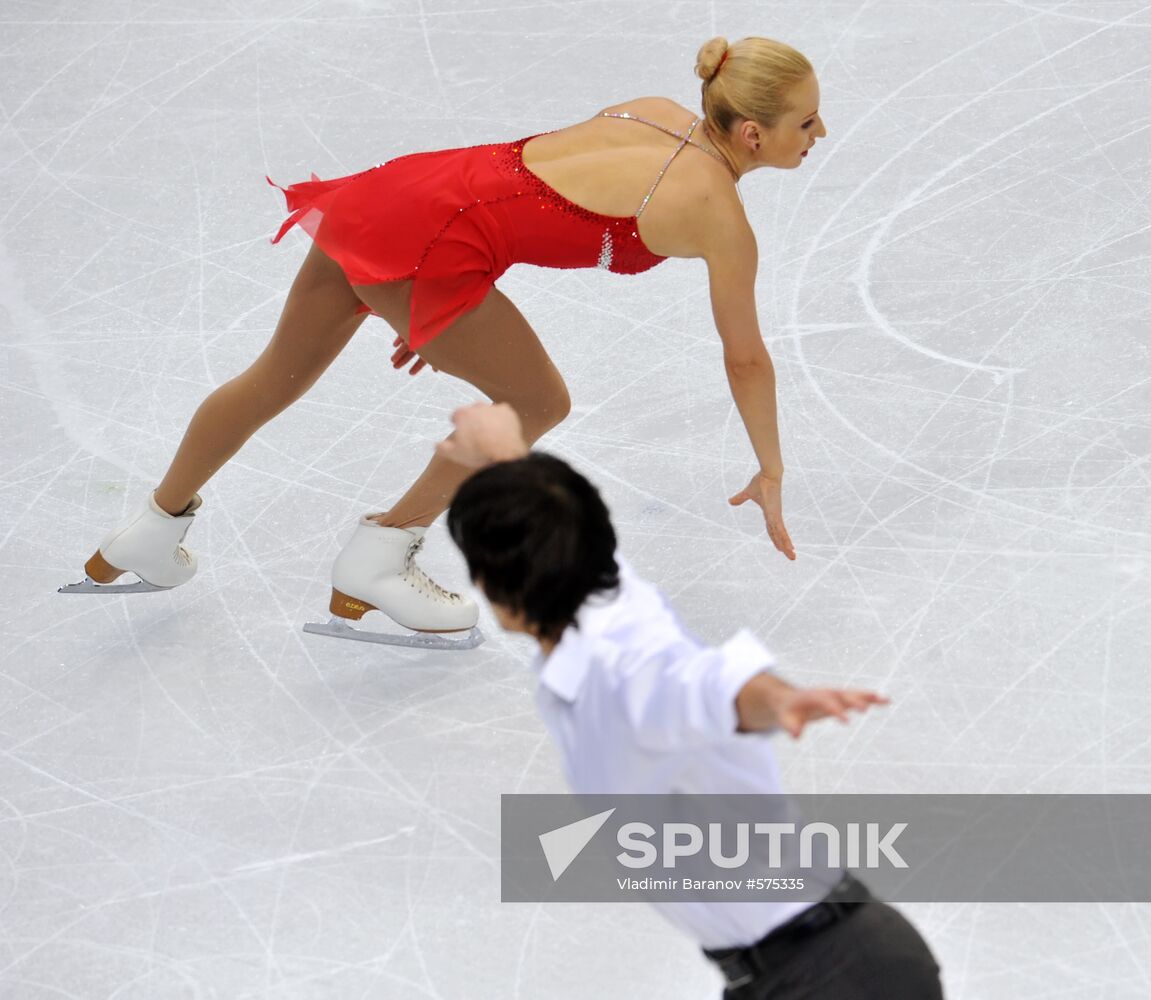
(492, 347)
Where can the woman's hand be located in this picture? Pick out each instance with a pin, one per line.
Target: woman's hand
(403, 354)
(767, 492)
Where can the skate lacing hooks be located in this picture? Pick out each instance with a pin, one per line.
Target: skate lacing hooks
(424, 583)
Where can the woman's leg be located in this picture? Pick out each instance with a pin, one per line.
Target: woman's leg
(494, 349)
(318, 320)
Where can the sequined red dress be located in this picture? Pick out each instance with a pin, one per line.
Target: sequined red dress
(453, 221)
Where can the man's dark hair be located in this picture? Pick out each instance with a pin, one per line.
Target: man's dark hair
(537, 538)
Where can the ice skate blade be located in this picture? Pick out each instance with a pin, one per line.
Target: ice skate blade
(338, 628)
(90, 586)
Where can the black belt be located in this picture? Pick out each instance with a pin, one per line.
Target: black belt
(741, 966)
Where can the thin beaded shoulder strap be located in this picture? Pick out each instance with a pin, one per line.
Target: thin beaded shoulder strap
(684, 140)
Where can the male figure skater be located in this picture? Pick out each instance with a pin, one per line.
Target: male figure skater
(636, 705)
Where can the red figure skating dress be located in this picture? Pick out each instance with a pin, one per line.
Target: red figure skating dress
(453, 221)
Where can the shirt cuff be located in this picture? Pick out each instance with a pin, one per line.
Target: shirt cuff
(743, 657)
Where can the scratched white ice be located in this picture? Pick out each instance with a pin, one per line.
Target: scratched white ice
(200, 801)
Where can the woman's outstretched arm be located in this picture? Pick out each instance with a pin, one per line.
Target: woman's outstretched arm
(732, 259)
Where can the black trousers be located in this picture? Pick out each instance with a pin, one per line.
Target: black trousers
(870, 953)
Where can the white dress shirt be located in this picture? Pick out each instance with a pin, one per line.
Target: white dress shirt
(639, 706)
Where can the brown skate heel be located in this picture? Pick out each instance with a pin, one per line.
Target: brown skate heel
(100, 570)
(343, 606)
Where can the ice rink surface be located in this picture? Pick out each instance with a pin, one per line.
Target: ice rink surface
(200, 801)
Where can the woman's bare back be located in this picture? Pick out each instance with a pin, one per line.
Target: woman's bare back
(608, 165)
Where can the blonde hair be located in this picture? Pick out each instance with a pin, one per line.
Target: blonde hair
(751, 79)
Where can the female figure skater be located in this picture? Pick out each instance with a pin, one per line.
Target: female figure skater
(420, 240)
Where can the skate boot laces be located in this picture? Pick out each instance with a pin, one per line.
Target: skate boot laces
(180, 555)
(421, 581)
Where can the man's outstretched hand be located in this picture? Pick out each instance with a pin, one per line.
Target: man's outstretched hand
(767, 701)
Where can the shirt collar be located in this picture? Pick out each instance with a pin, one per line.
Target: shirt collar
(564, 671)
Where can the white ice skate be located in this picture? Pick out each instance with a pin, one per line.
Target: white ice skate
(148, 544)
(377, 571)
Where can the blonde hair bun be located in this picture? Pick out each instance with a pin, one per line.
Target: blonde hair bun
(753, 82)
(709, 57)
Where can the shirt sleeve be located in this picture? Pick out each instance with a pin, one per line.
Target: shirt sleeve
(686, 695)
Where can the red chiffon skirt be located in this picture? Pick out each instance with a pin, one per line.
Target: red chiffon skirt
(431, 218)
